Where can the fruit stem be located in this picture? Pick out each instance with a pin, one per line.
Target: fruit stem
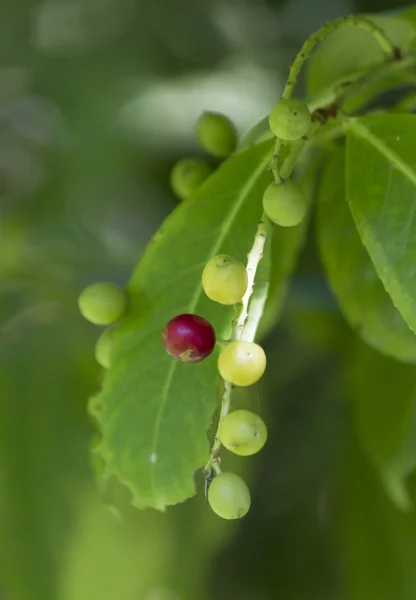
(254, 257)
(302, 56)
(323, 33)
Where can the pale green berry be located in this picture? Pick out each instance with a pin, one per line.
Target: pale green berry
(216, 133)
(229, 496)
(187, 175)
(224, 279)
(104, 348)
(102, 303)
(243, 432)
(284, 203)
(290, 119)
(242, 363)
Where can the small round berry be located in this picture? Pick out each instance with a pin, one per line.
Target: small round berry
(284, 203)
(216, 134)
(290, 119)
(243, 433)
(102, 303)
(104, 347)
(242, 363)
(187, 175)
(224, 279)
(229, 496)
(189, 338)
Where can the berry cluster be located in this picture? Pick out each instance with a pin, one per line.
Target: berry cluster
(190, 338)
(284, 202)
(217, 135)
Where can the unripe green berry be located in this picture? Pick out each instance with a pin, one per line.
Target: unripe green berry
(243, 432)
(290, 119)
(229, 496)
(187, 175)
(242, 363)
(284, 203)
(104, 347)
(224, 279)
(216, 133)
(102, 303)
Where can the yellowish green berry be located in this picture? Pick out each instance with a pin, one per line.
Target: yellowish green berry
(284, 203)
(216, 134)
(290, 119)
(187, 175)
(102, 303)
(224, 279)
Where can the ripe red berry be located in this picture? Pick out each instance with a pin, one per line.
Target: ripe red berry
(189, 338)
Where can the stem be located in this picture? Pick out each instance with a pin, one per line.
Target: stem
(302, 56)
(323, 33)
(254, 257)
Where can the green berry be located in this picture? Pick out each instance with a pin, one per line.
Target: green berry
(229, 496)
(243, 433)
(102, 303)
(290, 119)
(104, 347)
(216, 134)
(242, 363)
(224, 279)
(284, 203)
(187, 175)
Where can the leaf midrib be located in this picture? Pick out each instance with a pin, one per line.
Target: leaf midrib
(364, 133)
(194, 301)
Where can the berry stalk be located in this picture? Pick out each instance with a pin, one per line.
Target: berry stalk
(254, 257)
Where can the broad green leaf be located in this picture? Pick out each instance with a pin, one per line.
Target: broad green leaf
(153, 411)
(259, 132)
(381, 191)
(377, 542)
(44, 434)
(365, 303)
(350, 50)
(384, 398)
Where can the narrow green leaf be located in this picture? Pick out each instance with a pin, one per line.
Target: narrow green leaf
(153, 411)
(381, 191)
(365, 303)
(384, 396)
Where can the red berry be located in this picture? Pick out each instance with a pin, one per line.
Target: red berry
(189, 338)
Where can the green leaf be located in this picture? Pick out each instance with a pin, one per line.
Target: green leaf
(384, 397)
(381, 191)
(44, 433)
(377, 542)
(259, 132)
(153, 411)
(365, 303)
(352, 50)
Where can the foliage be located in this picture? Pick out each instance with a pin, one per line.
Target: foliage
(329, 296)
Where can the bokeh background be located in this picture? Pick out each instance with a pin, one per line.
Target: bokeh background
(97, 102)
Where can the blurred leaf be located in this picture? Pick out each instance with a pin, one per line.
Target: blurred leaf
(378, 542)
(367, 306)
(384, 396)
(381, 192)
(43, 455)
(107, 558)
(352, 50)
(154, 411)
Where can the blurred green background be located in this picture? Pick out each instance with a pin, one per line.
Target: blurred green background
(97, 102)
